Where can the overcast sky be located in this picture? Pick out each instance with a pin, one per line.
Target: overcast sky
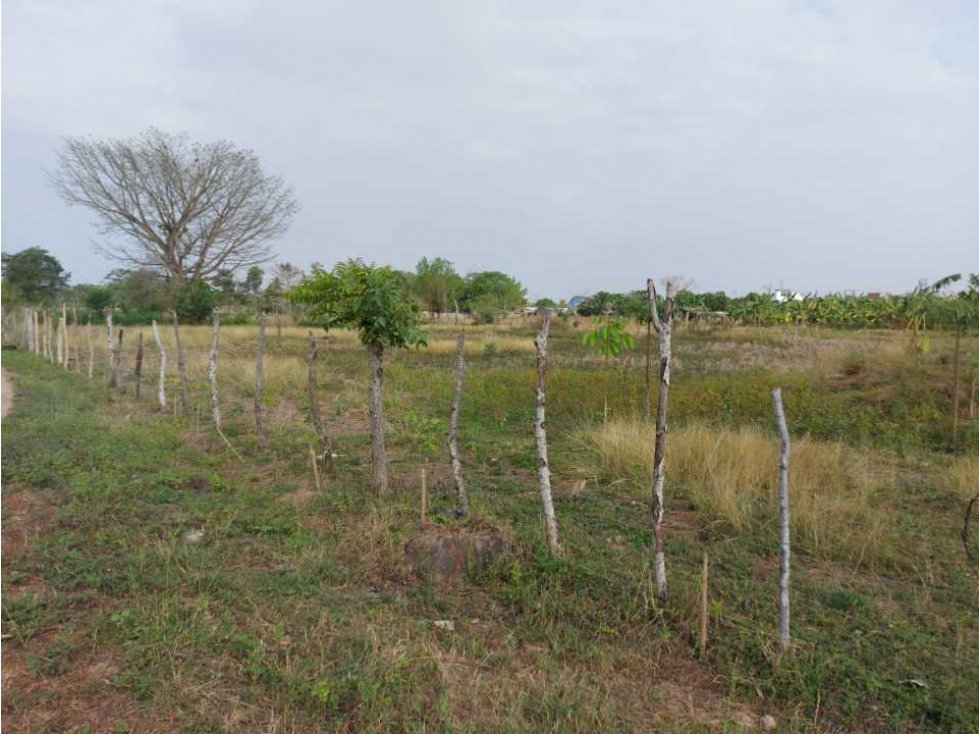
(578, 146)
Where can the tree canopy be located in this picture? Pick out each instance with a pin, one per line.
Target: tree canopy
(492, 290)
(372, 299)
(34, 274)
(183, 208)
(436, 283)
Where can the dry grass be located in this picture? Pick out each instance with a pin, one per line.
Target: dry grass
(963, 476)
(731, 473)
(480, 342)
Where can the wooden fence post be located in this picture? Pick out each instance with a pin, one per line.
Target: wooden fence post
(259, 377)
(454, 428)
(139, 363)
(704, 610)
(540, 438)
(161, 393)
(181, 366)
(783, 522)
(91, 348)
(665, 330)
(29, 329)
(325, 456)
(212, 378)
(109, 356)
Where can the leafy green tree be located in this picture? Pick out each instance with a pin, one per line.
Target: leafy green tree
(376, 302)
(194, 301)
(717, 301)
(491, 290)
(608, 338)
(597, 304)
(34, 274)
(252, 283)
(224, 282)
(436, 283)
(91, 297)
(138, 290)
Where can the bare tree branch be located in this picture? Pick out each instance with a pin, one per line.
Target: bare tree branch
(184, 209)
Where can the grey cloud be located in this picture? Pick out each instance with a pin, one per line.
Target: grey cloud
(579, 146)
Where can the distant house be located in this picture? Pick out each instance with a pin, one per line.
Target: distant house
(574, 302)
(783, 296)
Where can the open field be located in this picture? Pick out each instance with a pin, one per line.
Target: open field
(295, 609)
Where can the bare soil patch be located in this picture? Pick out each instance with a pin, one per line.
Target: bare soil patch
(82, 698)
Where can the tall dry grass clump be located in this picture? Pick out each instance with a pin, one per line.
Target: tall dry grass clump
(732, 474)
(963, 476)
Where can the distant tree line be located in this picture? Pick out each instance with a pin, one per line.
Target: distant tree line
(34, 276)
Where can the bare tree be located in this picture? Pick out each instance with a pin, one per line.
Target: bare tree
(664, 328)
(185, 209)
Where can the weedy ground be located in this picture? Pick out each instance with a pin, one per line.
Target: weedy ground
(295, 611)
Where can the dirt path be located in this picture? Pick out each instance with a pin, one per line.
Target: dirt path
(6, 393)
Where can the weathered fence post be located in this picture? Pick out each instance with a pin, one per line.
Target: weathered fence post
(325, 456)
(212, 378)
(117, 361)
(704, 610)
(65, 345)
(110, 356)
(74, 338)
(647, 376)
(379, 461)
(139, 363)
(665, 330)
(161, 393)
(91, 347)
(454, 427)
(181, 366)
(259, 376)
(540, 438)
(956, 385)
(35, 325)
(48, 355)
(783, 522)
(29, 330)
(212, 372)
(59, 343)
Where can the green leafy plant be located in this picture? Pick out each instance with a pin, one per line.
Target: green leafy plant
(608, 339)
(374, 301)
